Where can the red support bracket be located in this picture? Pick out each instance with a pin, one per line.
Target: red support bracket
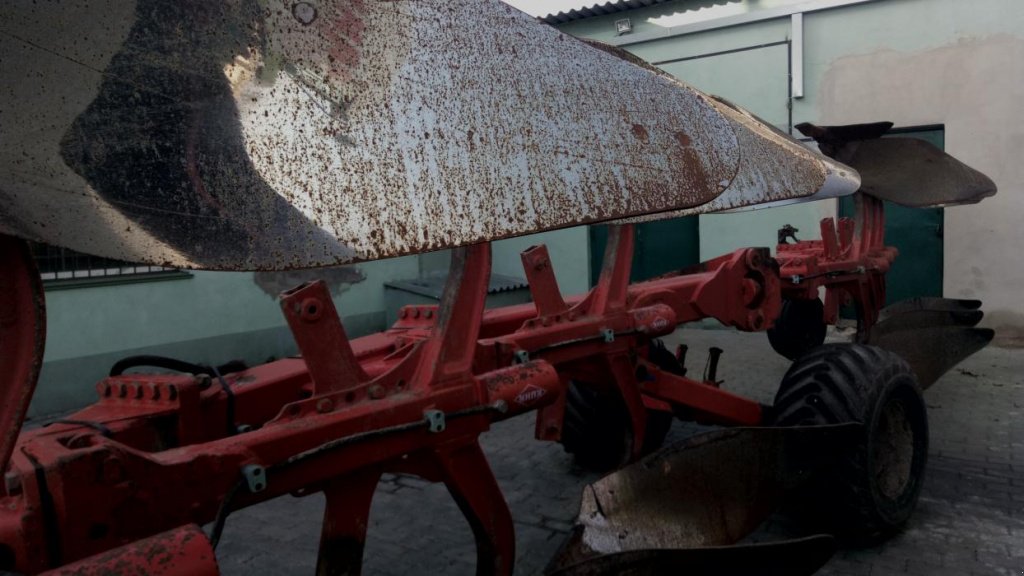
(321, 338)
(829, 239)
(346, 518)
(448, 352)
(846, 230)
(472, 484)
(22, 338)
(621, 367)
(613, 286)
(543, 285)
(715, 404)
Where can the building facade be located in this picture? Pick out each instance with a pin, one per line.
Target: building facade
(947, 71)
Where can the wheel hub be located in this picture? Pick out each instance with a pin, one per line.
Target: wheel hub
(893, 450)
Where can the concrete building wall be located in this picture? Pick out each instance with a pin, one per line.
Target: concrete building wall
(961, 66)
(914, 62)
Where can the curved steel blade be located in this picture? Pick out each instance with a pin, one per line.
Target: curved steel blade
(930, 351)
(276, 135)
(907, 171)
(927, 319)
(765, 178)
(710, 490)
(927, 303)
(915, 173)
(800, 557)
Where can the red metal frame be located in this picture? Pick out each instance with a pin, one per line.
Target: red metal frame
(164, 453)
(22, 335)
(849, 263)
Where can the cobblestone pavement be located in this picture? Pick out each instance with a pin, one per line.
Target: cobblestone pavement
(970, 520)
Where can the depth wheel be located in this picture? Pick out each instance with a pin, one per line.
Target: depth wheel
(799, 328)
(596, 428)
(873, 489)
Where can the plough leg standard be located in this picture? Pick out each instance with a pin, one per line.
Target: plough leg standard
(159, 454)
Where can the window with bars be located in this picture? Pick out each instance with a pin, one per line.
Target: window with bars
(64, 267)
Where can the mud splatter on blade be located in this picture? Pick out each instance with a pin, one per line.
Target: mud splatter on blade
(710, 490)
(276, 135)
(765, 178)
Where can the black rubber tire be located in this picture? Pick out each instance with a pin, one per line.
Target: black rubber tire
(596, 428)
(799, 328)
(874, 486)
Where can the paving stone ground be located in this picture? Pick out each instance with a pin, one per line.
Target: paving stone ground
(970, 520)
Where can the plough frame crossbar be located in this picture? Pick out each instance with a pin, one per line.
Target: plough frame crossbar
(849, 262)
(159, 454)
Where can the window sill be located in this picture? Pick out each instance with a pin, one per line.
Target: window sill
(74, 283)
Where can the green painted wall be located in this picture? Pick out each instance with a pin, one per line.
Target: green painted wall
(211, 317)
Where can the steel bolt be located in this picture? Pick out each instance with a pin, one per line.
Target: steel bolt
(311, 309)
(324, 405)
(377, 392)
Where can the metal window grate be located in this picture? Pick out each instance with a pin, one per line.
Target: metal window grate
(57, 264)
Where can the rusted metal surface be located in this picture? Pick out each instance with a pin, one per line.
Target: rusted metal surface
(710, 490)
(774, 170)
(801, 557)
(907, 171)
(182, 552)
(282, 135)
(932, 334)
(22, 338)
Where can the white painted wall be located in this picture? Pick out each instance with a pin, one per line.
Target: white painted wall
(913, 62)
(964, 69)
